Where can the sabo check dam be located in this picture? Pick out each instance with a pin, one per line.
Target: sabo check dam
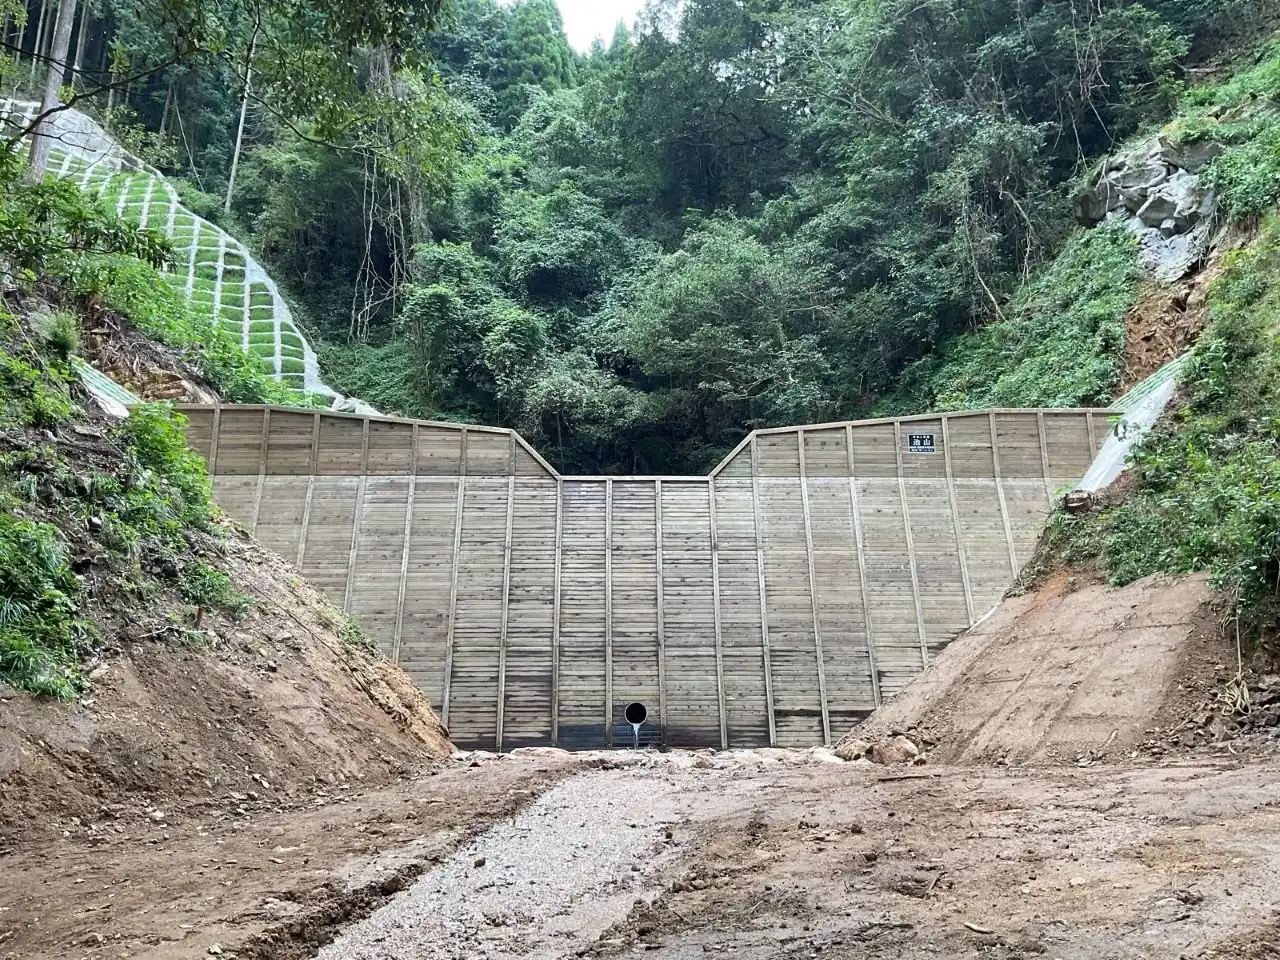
(814, 573)
(777, 601)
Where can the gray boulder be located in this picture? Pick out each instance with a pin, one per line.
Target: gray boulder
(1170, 258)
(1194, 205)
(1156, 193)
(1145, 175)
(1090, 206)
(1130, 200)
(1157, 210)
(1191, 157)
(1177, 205)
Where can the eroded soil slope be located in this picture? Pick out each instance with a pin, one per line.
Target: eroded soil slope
(178, 721)
(1065, 673)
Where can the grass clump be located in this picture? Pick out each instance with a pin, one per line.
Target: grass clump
(348, 628)
(354, 635)
(59, 333)
(207, 587)
(121, 520)
(1247, 177)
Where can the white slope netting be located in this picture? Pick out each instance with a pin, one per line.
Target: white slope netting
(1139, 409)
(214, 270)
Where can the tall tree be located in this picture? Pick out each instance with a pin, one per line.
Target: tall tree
(244, 114)
(306, 59)
(538, 53)
(41, 136)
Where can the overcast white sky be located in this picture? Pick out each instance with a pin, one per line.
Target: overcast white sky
(584, 20)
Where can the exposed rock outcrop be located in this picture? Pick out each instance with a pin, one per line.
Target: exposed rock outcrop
(1157, 192)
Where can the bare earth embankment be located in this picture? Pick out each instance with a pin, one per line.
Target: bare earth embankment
(1126, 835)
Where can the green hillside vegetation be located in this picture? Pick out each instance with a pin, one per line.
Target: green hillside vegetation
(731, 215)
(1206, 491)
(99, 523)
(1060, 343)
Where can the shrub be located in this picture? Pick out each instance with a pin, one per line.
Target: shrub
(155, 442)
(52, 228)
(31, 396)
(207, 588)
(41, 636)
(1247, 177)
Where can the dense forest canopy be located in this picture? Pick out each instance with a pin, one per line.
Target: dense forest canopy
(734, 214)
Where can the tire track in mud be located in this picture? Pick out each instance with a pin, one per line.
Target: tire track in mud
(548, 882)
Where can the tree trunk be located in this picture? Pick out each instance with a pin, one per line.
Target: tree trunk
(41, 139)
(36, 49)
(168, 109)
(244, 111)
(80, 40)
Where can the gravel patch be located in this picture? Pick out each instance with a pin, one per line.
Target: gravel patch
(556, 877)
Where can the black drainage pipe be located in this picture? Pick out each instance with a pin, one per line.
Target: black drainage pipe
(636, 714)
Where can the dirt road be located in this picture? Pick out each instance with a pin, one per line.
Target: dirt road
(755, 855)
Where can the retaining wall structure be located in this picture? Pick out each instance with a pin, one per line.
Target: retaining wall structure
(214, 271)
(777, 601)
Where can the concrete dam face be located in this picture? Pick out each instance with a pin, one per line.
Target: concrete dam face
(777, 601)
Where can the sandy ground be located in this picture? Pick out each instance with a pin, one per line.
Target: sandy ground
(756, 857)
(256, 878)
(766, 854)
(1082, 796)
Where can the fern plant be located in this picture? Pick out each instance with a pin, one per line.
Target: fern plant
(41, 635)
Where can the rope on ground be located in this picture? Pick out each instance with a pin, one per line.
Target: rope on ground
(1235, 695)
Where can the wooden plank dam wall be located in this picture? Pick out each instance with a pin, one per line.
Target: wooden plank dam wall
(777, 601)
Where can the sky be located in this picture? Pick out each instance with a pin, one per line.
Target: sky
(584, 20)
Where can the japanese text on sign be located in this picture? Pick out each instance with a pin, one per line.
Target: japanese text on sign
(921, 443)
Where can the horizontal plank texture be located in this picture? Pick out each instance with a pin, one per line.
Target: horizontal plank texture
(777, 602)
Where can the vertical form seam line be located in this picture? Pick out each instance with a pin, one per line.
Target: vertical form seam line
(859, 544)
(813, 589)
